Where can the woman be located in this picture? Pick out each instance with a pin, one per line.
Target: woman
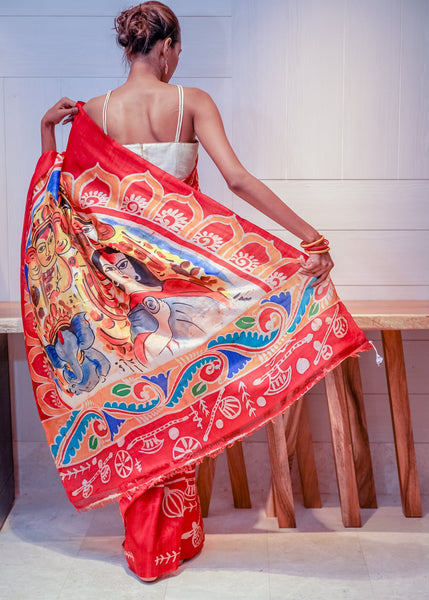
(210, 326)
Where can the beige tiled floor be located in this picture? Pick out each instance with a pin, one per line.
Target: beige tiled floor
(50, 552)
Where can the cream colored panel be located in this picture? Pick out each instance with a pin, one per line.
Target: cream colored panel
(4, 262)
(414, 94)
(349, 204)
(371, 103)
(86, 47)
(108, 7)
(26, 100)
(259, 85)
(314, 36)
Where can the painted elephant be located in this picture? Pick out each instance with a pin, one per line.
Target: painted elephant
(72, 351)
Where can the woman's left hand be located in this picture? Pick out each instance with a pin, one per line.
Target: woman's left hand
(318, 265)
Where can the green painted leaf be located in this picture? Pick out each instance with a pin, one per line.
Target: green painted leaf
(245, 322)
(121, 389)
(93, 442)
(314, 309)
(199, 388)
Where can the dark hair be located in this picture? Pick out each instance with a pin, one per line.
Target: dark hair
(143, 274)
(139, 28)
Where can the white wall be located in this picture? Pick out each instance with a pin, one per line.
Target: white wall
(325, 100)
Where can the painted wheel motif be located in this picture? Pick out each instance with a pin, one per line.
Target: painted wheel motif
(185, 445)
(123, 463)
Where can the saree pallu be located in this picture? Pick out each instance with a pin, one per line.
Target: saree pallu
(160, 326)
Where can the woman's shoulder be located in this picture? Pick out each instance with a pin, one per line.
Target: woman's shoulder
(94, 106)
(195, 98)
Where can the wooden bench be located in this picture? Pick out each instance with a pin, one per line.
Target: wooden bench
(348, 427)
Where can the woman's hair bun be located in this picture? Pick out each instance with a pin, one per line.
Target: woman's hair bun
(141, 27)
(123, 39)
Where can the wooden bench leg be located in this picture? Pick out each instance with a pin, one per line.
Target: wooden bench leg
(299, 441)
(306, 461)
(401, 420)
(206, 471)
(342, 447)
(280, 472)
(7, 483)
(238, 476)
(359, 433)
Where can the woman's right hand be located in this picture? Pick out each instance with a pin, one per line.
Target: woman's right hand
(63, 109)
(319, 266)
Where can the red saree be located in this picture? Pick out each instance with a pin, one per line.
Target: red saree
(160, 327)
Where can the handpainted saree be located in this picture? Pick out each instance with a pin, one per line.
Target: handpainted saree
(160, 326)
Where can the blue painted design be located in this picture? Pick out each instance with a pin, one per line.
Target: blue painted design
(236, 362)
(53, 183)
(77, 437)
(245, 339)
(160, 380)
(186, 378)
(113, 424)
(133, 408)
(62, 433)
(305, 301)
(283, 299)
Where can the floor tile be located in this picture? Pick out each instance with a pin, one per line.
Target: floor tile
(100, 571)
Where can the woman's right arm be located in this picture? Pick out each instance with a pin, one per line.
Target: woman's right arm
(211, 133)
(63, 109)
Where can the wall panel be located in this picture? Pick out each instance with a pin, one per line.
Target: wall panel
(351, 204)
(371, 87)
(86, 47)
(259, 85)
(414, 110)
(109, 7)
(312, 139)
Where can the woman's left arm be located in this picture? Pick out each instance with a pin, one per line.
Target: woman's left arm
(63, 109)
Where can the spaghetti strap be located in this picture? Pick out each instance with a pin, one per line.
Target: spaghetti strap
(180, 117)
(106, 102)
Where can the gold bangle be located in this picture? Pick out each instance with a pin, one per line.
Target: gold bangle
(324, 251)
(310, 244)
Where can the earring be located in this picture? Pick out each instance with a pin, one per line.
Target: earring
(166, 68)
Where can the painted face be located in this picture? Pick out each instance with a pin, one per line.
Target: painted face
(118, 267)
(45, 248)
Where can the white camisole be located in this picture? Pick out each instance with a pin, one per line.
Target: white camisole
(177, 158)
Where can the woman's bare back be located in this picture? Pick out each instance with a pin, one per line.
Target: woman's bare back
(143, 113)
